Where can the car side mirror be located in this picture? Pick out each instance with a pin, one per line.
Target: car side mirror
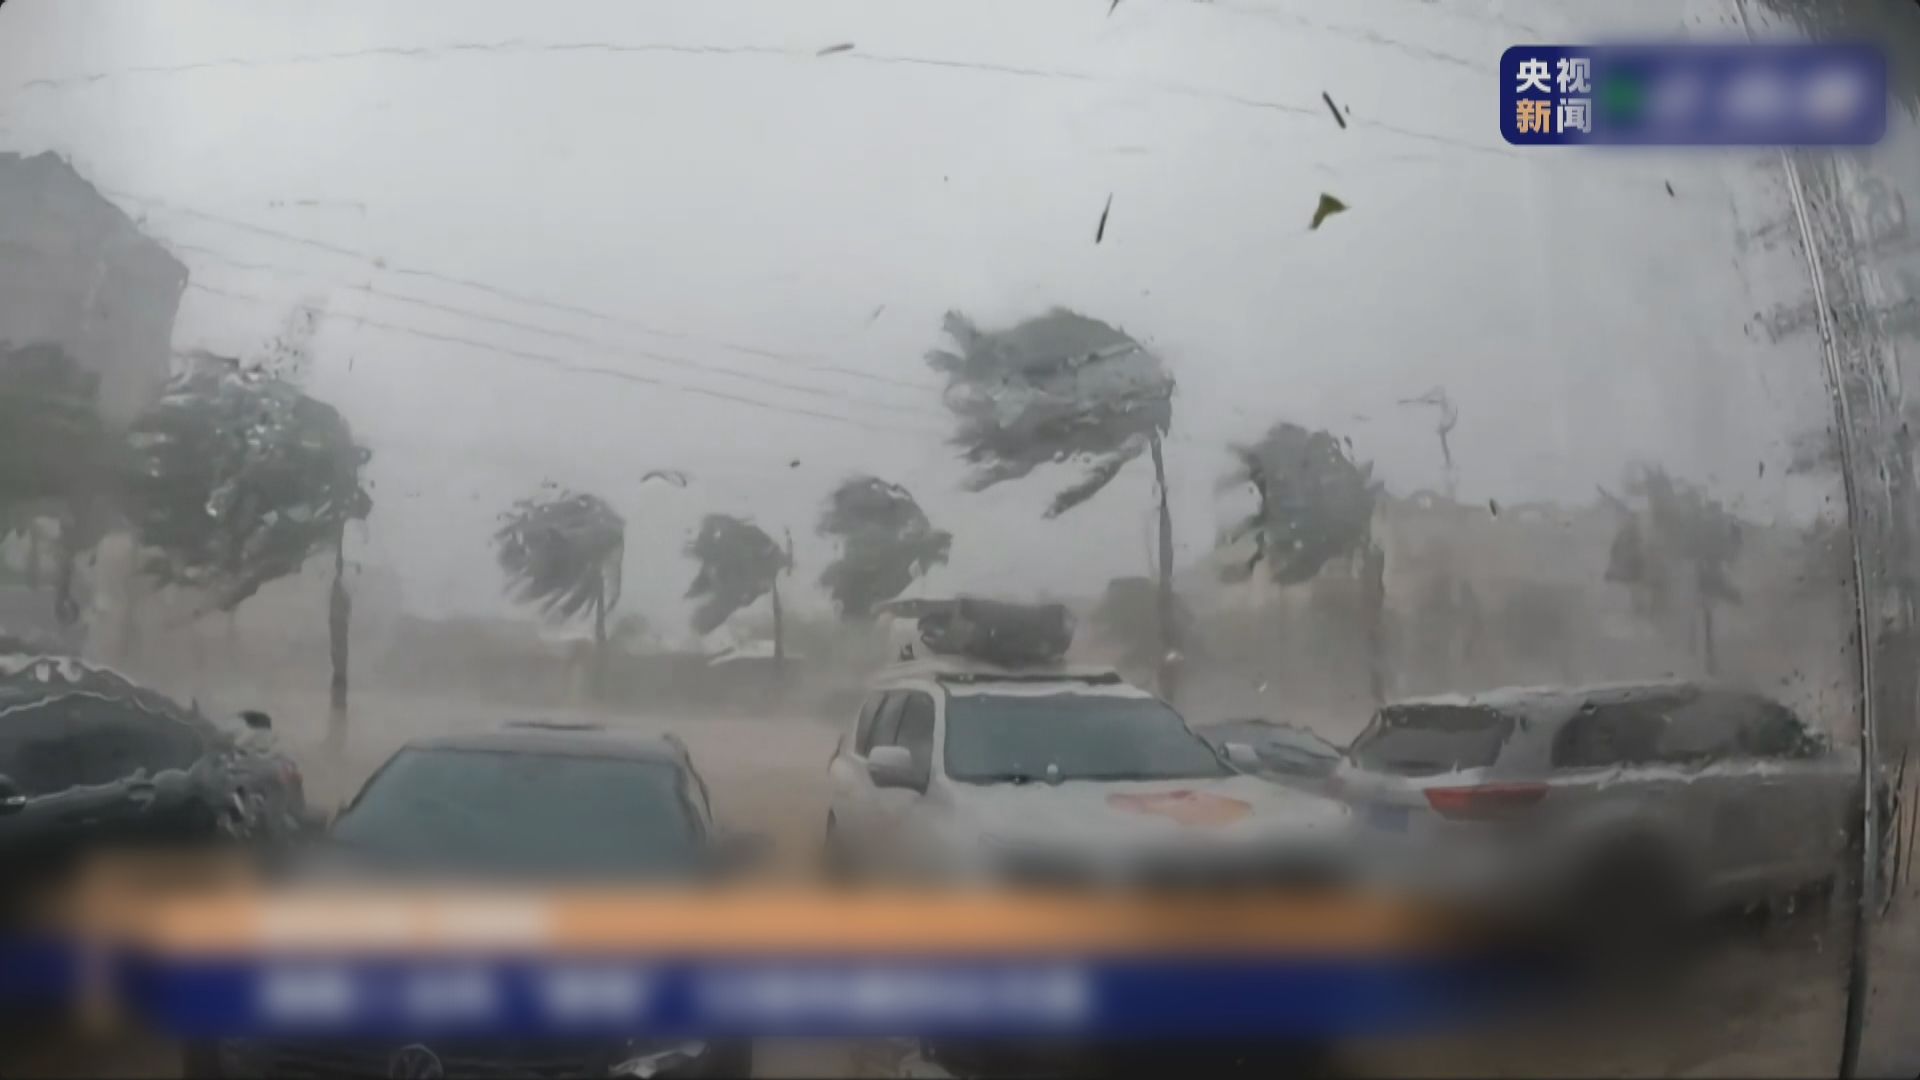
(1242, 756)
(12, 799)
(892, 767)
(256, 720)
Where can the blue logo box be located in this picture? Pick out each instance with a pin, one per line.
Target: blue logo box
(1693, 95)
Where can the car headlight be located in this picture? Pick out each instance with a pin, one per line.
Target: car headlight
(660, 1060)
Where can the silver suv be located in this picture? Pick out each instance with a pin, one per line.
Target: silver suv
(956, 769)
(1700, 796)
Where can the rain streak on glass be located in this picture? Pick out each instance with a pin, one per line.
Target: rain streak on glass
(1162, 439)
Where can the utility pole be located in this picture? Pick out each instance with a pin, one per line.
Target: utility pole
(1449, 416)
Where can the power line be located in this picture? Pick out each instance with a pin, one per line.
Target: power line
(663, 358)
(563, 364)
(521, 45)
(530, 300)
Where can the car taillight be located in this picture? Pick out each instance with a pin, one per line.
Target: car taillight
(1484, 802)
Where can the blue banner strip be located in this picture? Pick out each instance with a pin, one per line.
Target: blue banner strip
(38, 971)
(932, 997)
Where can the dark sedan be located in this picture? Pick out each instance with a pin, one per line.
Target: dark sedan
(90, 760)
(540, 803)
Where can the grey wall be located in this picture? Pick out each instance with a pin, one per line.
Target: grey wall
(75, 270)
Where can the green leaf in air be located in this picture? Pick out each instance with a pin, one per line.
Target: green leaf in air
(1328, 207)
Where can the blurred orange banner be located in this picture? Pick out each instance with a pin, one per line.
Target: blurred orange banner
(793, 921)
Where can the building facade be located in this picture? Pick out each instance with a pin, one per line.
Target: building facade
(76, 271)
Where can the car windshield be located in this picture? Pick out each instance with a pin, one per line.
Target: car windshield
(519, 812)
(1418, 740)
(774, 373)
(1004, 738)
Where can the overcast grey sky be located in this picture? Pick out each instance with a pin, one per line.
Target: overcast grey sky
(731, 252)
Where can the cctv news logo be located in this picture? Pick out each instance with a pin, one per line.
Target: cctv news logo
(1693, 95)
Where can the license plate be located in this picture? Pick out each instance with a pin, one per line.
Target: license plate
(1389, 818)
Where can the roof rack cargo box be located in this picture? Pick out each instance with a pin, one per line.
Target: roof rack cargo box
(991, 631)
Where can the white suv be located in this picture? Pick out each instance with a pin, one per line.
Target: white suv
(956, 770)
(1630, 799)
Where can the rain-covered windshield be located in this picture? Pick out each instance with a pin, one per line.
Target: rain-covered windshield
(524, 812)
(406, 371)
(1006, 738)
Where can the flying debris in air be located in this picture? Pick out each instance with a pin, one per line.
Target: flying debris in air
(1337, 118)
(844, 46)
(1493, 507)
(1100, 232)
(1110, 7)
(672, 476)
(1669, 187)
(1328, 207)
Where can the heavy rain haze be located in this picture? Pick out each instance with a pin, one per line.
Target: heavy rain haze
(416, 368)
(727, 254)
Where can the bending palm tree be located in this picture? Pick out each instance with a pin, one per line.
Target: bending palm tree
(237, 479)
(1315, 504)
(563, 554)
(1057, 387)
(739, 563)
(885, 540)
